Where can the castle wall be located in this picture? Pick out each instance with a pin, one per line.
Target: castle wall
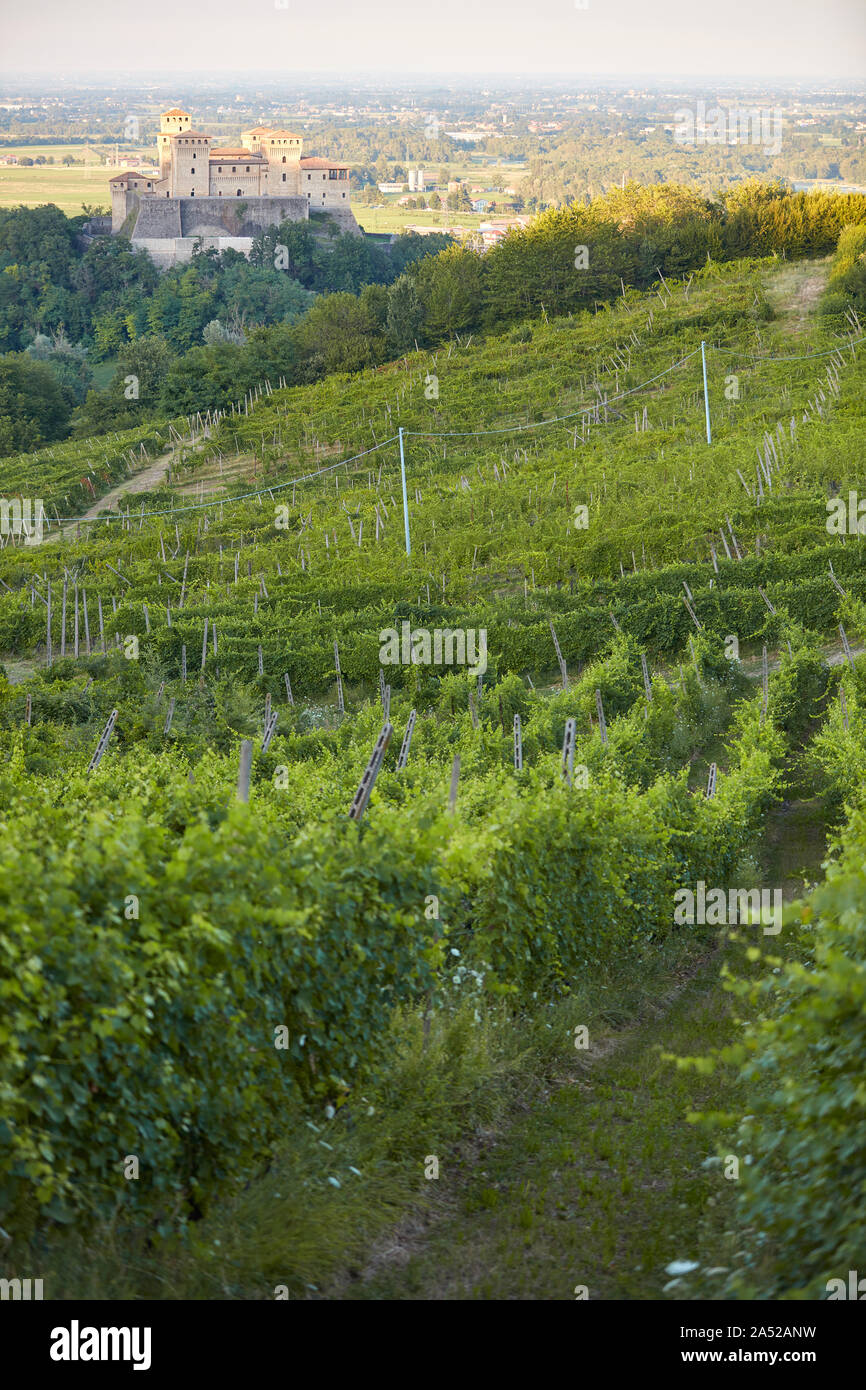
(344, 218)
(169, 228)
(237, 175)
(126, 194)
(283, 180)
(190, 177)
(166, 252)
(237, 216)
(157, 218)
(324, 192)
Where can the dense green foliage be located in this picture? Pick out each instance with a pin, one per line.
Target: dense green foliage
(223, 325)
(163, 989)
(34, 407)
(803, 1065)
(157, 932)
(848, 271)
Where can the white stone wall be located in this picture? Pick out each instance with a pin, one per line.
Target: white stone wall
(228, 175)
(166, 252)
(324, 192)
(190, 176)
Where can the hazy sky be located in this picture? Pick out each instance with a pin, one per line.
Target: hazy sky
(754, 38)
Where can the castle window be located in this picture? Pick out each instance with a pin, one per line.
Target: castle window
(284, 179)
(333, 173)
(248, 168)
(234, 169)
(284, 159)
(238, 194)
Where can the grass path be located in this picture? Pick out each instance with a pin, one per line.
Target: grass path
(794, 290)
(602, 1184)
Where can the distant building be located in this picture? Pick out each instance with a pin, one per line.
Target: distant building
(239, 190)
(491, 233)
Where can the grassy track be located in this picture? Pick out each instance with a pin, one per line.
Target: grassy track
(602, 1183)
(600, 1186)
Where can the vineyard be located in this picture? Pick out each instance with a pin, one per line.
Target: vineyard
(318, 797)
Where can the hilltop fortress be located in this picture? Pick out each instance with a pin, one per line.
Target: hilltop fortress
(224, 197)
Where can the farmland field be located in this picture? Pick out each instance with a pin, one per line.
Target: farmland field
(67, 188)
(392, 218)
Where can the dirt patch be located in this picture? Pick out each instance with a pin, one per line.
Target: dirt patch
(143, 481)
(794, 291)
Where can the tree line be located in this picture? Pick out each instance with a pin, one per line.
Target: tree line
(202, 335)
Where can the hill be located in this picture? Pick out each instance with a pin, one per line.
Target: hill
(433, 864)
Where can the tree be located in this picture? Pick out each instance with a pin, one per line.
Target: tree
(34, 407)
(338, 336)
(450, 288)
(405, 315)
(68, 362)
(141, 371)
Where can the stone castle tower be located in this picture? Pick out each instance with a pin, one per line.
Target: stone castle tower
(168, 211)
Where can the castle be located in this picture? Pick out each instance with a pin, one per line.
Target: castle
(224, 196)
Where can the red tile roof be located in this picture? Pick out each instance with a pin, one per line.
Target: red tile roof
(313, 162)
